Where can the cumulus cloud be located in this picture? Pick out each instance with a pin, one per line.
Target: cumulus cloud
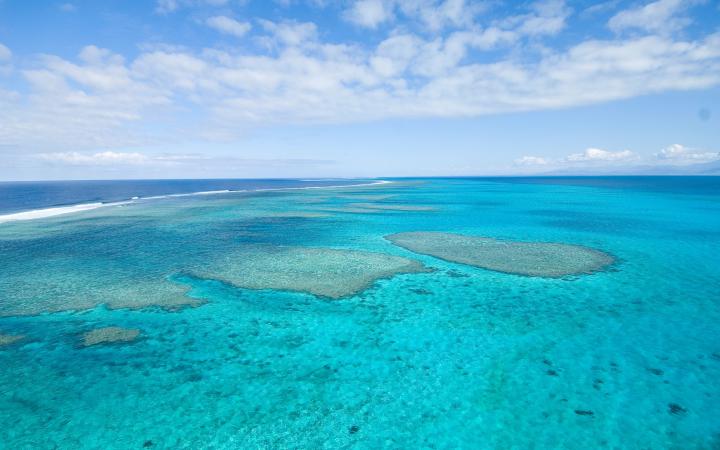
(95, 99)
(289, 33)
(657, 16)
(434, 15)
(228, 25)
(531, 161)
(369, 13)
(597, 154)
(680, 154)
(289, 74)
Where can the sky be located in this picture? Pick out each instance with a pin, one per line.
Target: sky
(120, 89)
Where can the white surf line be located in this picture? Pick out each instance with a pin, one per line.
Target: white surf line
(188, 194)
(374, 183)
(54, 211)
(230, 191)
(61, 210)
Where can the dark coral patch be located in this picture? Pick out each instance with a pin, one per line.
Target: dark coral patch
(674, 408)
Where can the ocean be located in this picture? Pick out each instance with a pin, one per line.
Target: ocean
(489, 313)
(21, 196)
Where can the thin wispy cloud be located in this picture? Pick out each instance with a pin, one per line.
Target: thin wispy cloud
(5, 53)
(672, 155)
(662, 16)
(119, 159)
(100, 158)
(170, 6)
(680, 154)
(598, 154)
(531, 161)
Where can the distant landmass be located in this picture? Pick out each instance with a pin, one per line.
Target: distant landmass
(709, 168)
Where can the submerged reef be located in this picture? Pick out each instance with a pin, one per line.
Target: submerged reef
(538, 259)
(349, 210)
(109, 335)
(375, 208)
(296, 215)
(392, 207)
(324, 272)
(59, 290)
(7, 339)
(367, 197)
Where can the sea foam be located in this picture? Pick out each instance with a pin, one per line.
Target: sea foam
(50, 212)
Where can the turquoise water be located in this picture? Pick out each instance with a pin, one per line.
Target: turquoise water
(456, 357)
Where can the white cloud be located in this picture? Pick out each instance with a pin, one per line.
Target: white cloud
(67, 7)
(89, 103)
(228, 25)
(599, 8)
(290, 33)
(597, 154)
(675, 154)
(102, 100)
(113, 158)
(369, 13)
(433, 15)
(100, 158)
(436, 15)
(394, 54)
(154, 162)
(5, 53)
(168, 6)
(531, 161)
(657, 16)
(546, 18)
(679, 154)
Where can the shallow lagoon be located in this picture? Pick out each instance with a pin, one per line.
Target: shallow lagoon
(627, 357)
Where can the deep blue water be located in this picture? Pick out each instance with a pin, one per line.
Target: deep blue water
(28, 195)
(627, 357)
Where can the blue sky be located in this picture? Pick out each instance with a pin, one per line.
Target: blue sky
(322, 88)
